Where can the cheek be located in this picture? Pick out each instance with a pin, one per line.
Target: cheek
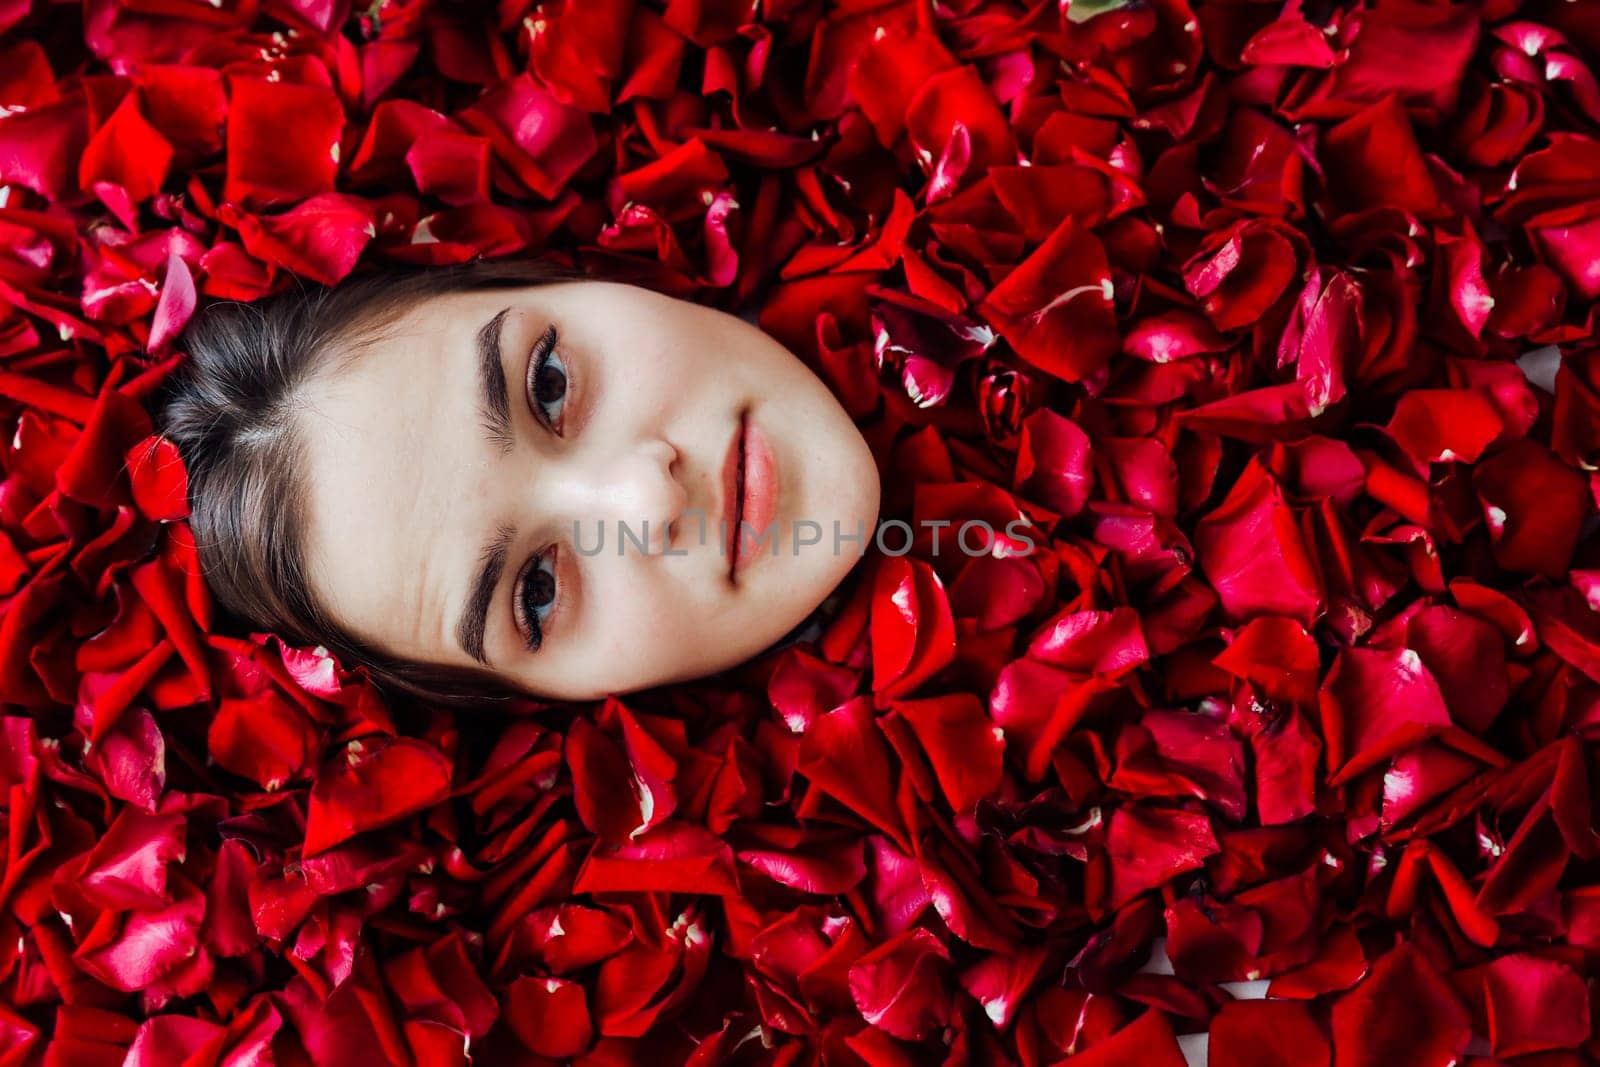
(633, 625)
(706, 346)
(655, 618)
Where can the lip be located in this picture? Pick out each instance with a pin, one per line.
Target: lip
(758, 497)
(731, 487)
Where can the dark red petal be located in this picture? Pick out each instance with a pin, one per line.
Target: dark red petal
(1253, 553)
(1535, 1004)
(1147, 847)
(961, 741)
(1404, 1012)
(1277, 655)
(902, 986)
(1440, 425)
(1147, 1041)
(1376, 702)
(1467, 657)
(550, 1016)
(1379, 139)
(1534, 507)
(1266, 1033)
(1054, 463)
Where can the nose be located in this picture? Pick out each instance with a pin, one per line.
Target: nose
(632, 497)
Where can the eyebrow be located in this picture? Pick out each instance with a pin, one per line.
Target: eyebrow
(492, 396)
(495, 406)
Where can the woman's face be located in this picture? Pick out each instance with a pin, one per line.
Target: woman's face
(573, 510)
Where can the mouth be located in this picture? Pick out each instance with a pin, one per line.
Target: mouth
(756, 507)
(733, 494)
(750, 491)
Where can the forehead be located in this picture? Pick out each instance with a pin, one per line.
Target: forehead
(392, 449)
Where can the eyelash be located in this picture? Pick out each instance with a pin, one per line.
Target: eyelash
(527, 624)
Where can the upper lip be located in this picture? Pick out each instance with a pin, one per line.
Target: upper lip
(730, 486)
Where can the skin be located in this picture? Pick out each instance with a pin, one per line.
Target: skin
(404, 487)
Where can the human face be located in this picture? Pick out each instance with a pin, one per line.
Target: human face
(594, 527)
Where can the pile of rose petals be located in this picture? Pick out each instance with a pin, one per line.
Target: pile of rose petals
(1273, 322)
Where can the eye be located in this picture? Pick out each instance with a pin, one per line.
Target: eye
(547, 381)
(535, 598)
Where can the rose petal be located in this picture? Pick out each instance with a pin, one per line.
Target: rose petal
(1376, 702)
(1055, 308)
(901, 987)
(1403, 1009)
(1534, 1004)
(264, 171)
(1254, 555)
(1147, 847)
(373, 782)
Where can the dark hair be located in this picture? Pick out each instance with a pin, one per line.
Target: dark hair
(229, 409)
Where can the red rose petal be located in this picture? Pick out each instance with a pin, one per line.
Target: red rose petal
(1092, 642)
(1289, 41)
(1534, 506)
(1439, 425)
(1534, 1004)
(373, 782)
(1277, 655)
(962, 743)
(1380, 137)
(1467, 658)
(264, 738)
(1376, 702)
(901, 987)
(160, 483)
(1055, 308)
(813, 863)
(1149, 846)
(321, 238)
(1264, 1033)
(1323, 337)
(127, 152)
(844, 755)
(913, 635)
(127, 869)
(40, 147)
(1383, 57)
(1570, 240)
(1240, 273)
(1403, 1010)
(541, 140)
(891, 69)
(1000, 983)
(1054, 463)
(550, 1016)
(263, 171)
(651, 978)
(675, 857)
(953, 102)
(1254, 555)
(1172, 335)
(1148, 1040)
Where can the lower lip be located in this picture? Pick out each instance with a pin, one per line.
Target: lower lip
(760, 499)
